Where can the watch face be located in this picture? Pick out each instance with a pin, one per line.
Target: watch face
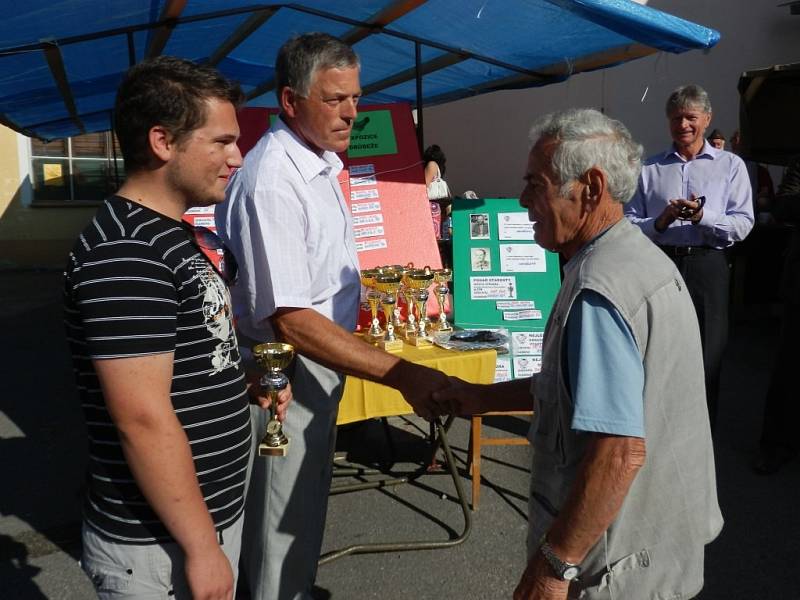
(570, 573)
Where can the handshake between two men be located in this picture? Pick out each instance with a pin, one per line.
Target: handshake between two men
(434, 394)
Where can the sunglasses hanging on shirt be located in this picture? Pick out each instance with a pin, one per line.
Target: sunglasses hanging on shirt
(216, 251)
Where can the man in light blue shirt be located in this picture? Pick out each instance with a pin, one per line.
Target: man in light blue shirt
(694, 201)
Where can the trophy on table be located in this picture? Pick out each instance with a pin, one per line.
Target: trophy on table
(442, 277)
(397, 318)
(273, 357)
(375, 333)
(419, 280)
(388, 283)
(410, 324)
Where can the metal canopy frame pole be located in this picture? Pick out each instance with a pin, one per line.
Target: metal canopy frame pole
(131, 49)
(418, 77)
(54, 59)
(114, 150)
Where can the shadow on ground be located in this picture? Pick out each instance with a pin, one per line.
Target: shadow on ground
(42, 457)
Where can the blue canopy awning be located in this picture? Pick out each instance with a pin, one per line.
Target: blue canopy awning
(61, 61)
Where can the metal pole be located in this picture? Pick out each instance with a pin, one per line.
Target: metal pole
(114, 151)
(131, 50)
(418, 76)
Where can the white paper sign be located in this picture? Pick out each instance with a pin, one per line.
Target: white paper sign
(525, 366)
(522, 315)
(365, 207)
(522, 258)
(356, 170)
(514, 226)
(364, 194)
(205, 222)
(502, 369)
(371, 245)
(362, 232)
(368, 219)
(365, 180)
(527, 342)
(514, 304)
(200, 210)
(493, 288)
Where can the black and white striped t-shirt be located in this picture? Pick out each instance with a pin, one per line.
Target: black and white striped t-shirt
(136, 284)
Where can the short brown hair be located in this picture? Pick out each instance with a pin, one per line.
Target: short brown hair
(167, 91)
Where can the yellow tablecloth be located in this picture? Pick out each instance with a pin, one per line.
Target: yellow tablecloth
(366, 400)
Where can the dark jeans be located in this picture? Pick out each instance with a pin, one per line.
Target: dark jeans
(707, 277)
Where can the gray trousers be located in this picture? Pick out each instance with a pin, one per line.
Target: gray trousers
(145, 571)
(287, 497)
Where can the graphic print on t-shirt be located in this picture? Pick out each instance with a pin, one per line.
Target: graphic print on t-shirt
(217, 314)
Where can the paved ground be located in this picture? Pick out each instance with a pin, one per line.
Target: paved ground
(42, 448)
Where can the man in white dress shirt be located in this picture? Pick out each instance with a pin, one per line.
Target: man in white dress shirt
(288, 224)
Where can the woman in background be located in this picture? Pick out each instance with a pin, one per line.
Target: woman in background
(435, 161)
(438, 191)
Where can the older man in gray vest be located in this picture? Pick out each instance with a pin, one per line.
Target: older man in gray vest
(623, 494)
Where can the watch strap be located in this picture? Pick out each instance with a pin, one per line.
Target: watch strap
(564, 570)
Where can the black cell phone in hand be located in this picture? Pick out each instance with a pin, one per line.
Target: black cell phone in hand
(688, 213)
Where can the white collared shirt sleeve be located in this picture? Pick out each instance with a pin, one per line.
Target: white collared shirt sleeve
(731, 219)
(286, 222)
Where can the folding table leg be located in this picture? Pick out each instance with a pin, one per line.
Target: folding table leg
(441, 439)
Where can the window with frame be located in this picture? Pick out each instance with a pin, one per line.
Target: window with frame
(87, 167)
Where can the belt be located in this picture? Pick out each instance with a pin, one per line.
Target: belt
(675, 251)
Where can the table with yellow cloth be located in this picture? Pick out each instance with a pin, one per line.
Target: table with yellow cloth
(363, 399)
(366, 400)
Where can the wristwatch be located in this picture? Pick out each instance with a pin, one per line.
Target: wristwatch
(563, 570)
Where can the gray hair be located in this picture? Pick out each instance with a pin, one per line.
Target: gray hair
(587, 138)
(688, 96)
(301, 57)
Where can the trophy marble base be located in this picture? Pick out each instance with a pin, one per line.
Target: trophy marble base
(267, 450)
(391, 345)
(420, 341)
(373, 339)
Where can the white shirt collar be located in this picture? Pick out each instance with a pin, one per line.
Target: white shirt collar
(707, 150)
(309, 163)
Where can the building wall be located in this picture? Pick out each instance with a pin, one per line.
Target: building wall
(485, 138)
(32, 237)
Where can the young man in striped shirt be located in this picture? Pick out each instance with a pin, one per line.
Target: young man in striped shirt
(155, 356)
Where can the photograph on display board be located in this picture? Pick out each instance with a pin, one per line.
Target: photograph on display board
(481, 259)
(479, 226)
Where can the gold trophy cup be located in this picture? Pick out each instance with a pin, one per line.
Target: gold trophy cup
(273, 357)
(397, 319)
(388, 283)
(442, 277)
(375, 333)
(410, 324)
(419, 280)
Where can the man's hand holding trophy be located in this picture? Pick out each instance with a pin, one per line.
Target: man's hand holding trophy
(273, 357)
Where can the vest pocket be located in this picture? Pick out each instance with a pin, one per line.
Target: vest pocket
(625, 574)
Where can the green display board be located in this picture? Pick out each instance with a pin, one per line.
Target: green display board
(502, 279)
(372, 135)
